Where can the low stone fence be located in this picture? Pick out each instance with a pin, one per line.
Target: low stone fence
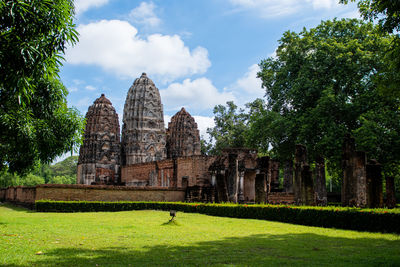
(28, 195)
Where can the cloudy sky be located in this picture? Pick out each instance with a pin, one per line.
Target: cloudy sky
(198, 53)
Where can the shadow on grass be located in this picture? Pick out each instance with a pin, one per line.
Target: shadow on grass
(16, 207)
(256, 250)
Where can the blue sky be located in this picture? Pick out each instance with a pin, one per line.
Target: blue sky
(199, 53)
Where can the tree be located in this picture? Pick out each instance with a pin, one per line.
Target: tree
(322, 84)
(35, 122)
(230, 127)
(387, 14)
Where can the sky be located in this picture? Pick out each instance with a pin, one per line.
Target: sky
(199, 53)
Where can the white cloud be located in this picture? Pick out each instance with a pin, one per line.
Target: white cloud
(144, 14)
(90, 88)
(197, 95)
(249, 83)
(72, 89)
(203, 123)
(115, 46)
(278, 8)
(248, 87)
(83, 5)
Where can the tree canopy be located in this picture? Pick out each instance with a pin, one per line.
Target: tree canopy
(322, 84)
(35, 122)
(229, 130)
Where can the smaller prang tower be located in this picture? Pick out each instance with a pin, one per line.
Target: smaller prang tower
(183, 139)
(143, 130)
(99, 155)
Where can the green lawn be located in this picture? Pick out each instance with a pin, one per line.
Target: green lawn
(141, 238)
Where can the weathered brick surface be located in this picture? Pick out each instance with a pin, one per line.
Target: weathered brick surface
(20, 194)
(281, 198)
(99, 155)
(164, 172)
(183, 137)
(28, 195)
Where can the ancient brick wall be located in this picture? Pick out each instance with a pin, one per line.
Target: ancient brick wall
(169, 172)
(194, 169)
(28, 195)
(19, 194)
(281, 198)
(108, 193)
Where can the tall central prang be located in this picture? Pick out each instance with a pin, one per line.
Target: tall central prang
(143, 130)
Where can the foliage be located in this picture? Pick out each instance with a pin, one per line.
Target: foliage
(343, 218)
(230, 127)
(63, 172)
(321, 85)
(140, 238)
(387, 13)
(35, 122)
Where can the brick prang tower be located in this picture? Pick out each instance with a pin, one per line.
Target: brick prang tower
(99, 155)
(183, 139)
(143, 131)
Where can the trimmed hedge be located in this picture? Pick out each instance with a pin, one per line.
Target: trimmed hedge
(378, 220)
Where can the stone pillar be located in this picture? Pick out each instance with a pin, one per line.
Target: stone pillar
(306, 187)
(390, 192)
(260, 196)
(232, 177)
(320, 182)
(261, 192)
(241, 187)
(354, 185)
(222, 191)
(288, 176)
(360, 174)
(300, 161)
(213, 178)
(273, 175)
(348, 181)
(374, 185)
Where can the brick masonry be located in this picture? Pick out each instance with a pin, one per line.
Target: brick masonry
(28, 195)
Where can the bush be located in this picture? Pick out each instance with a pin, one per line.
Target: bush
(377, 220)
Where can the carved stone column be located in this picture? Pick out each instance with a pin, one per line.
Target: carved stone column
(241, 187)
(320, 182)
(288, 176)
(354, 185)
(390, 192)
(307, 187)
(374, 184)
(213, 178)
(222, 191)
(300, 161)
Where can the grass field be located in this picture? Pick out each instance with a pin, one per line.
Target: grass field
(141, 238)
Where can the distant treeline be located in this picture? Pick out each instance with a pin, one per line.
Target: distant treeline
(63, 172)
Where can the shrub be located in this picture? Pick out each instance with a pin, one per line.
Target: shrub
(374, 220)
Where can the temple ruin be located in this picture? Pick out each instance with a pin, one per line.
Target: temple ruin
(183, 139)
(143, 132)
(151, 156)
(99, 155)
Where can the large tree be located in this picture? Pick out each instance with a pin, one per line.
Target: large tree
(387, 15)
(35, 122)
(322, 85)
